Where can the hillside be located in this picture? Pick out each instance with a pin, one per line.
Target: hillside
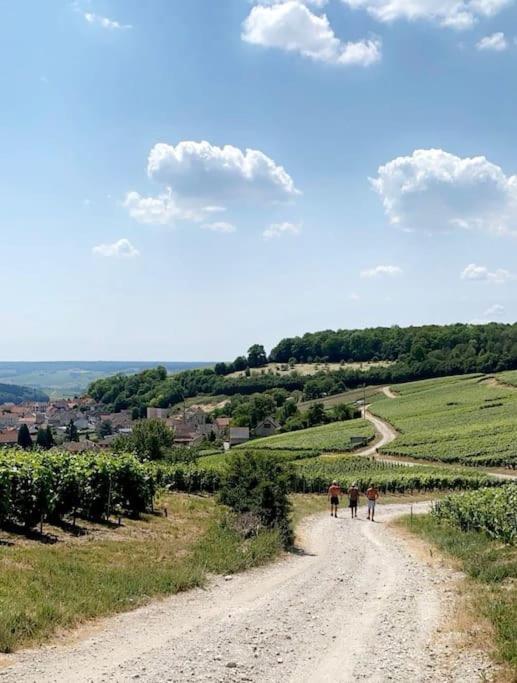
(338, 361)
(71, 378)
(469, 419)
(12, 393)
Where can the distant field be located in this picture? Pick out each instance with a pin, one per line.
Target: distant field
(311, 368)
(469, 419)
(331, 437)
(69, 378)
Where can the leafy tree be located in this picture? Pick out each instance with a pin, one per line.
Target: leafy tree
(240, 363)
(257, 357)
(151, 438)
(71, 432)
(50, 437)
(316, 415)
(104, 429)
(24, 437)
(258, 484)
(41, 439)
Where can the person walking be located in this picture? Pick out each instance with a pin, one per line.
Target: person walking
(333, 495)
(372, 495)
(353, 499)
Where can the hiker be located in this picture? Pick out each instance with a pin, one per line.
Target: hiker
(333, 494)
(353, 499)
(372, 494)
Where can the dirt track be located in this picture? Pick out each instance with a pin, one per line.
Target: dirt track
(354, 606)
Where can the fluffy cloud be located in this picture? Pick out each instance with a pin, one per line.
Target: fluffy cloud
(206, 173)
(121, 249)
(157, 210)
(496, 42)
(380, 271)
(494, 311)
(220, 226)
(279, 229)
(481, 273)
(292, 26)
(458, 14)
(433, 190)
(104, 22)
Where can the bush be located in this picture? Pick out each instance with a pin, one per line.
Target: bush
(259, 485)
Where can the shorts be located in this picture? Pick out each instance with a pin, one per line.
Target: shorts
(371, 505)
(334, 500)
(352, 503)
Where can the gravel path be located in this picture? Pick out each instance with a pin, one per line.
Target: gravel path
(354, 606)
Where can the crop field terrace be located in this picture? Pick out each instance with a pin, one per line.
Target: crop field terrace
(468, 419)
(333, 437)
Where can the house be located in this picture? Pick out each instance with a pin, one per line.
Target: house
(221, 425)
(80, 446)
(157, 413)
(120, 422)
(184, 435)
(9, 437)
(238, 435)
(267, 427)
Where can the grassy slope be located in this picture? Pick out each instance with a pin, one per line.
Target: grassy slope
(492, 568)
(335, 436)
(451, 418)
(46, 587)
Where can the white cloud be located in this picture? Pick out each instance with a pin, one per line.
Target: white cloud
(121, 249)
(279, 229)
(104, 22)
(380, 271)
(206, 173)
(495, 311)
(291, 26)
(219, 226)
(159, 210)
(353, 296)
(481, 273)
(496, 42)
(432, 190)
(458, 14)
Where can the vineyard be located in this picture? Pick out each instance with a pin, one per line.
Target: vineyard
(37, 486)
(493, 511)
(467, 420)
(313, 476)
(53, 486)
(327, 438)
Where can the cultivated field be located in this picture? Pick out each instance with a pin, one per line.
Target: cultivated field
(468, 419)
(332, 437)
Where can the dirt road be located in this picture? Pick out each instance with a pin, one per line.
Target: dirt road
(354, 606)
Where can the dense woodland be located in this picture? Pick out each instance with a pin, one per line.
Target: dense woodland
(12, 393)
(415, 352)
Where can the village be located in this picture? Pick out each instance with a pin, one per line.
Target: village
(81, 424)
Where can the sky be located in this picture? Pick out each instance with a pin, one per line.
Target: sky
(181, 179)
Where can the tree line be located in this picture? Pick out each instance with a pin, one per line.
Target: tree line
(415, 353)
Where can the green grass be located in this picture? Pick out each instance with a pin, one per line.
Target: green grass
(48, 587)
(492, 568)
(467, 419)
(332, 437)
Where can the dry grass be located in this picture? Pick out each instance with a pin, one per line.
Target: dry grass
(487, 612)
(47, 587)
(310, 368)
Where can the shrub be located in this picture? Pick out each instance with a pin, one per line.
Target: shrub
(259, 485)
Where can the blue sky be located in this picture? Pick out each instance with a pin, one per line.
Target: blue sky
(381, 185)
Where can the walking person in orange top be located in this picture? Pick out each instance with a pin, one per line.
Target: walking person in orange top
(333, 495)
(372, 494)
